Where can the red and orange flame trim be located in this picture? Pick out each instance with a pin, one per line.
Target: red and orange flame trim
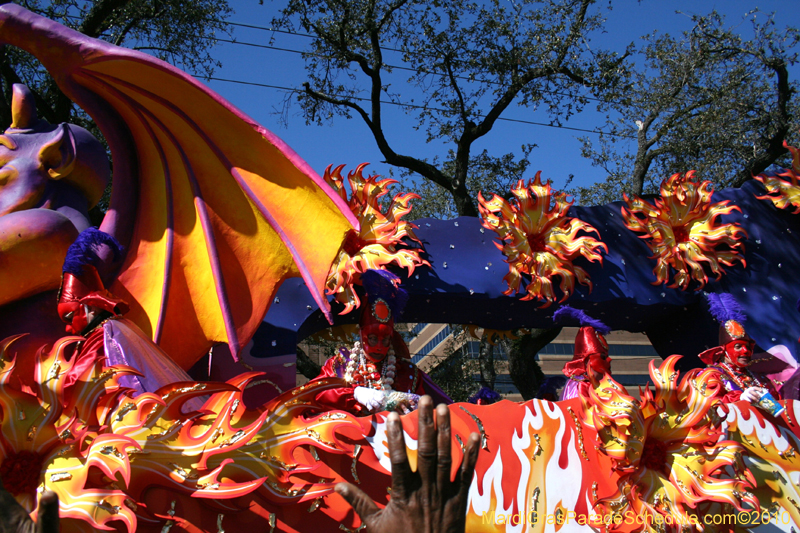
(783, 189)
(380, 241)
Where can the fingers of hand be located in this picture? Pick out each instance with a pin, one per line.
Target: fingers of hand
(402, 476)
(426, 451)
(358, 500)
(468, 466)
(443, 459)
(48, 521)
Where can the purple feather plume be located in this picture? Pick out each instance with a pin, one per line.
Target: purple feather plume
(577, 315)
(724, 307)
(83, 251)
(385, 285)
(486, 395)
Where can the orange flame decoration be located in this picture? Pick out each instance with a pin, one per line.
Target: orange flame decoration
(669, 455)
(784, 192)
(381, 233)
(682, 232)
(776, 465)
(102, 450)
(540, 240)
(142, 462)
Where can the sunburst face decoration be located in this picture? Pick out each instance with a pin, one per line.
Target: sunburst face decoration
(102, 450)
(682, 231)
(784, 189)
(539, 240)
(50, 437)
(670, 457)
(379, 243)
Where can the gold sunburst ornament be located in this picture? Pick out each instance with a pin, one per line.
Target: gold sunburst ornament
(673, 462)
(540, 240)
(380, 241)
(682, 231)
(783, 189)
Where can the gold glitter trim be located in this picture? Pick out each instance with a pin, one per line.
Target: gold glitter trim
(356, 451)
(461, 443)
(125, 409)
(195, 387)
(538, 450)
(348, 530)
(580, 433)
(316, 436)
(332, 416)
(315, 505)
(480, 427)
(271, 459)
(535, 499)
(236, 437)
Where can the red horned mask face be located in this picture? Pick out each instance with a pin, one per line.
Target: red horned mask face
(600, 363)
(377, 330)
(74, 315)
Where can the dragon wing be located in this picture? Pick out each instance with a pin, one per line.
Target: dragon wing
(215, 210)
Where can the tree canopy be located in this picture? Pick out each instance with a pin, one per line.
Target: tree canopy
(176, 31)
(717, 99)
(470, 61)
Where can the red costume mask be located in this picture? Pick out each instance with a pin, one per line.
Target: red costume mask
(377, 330)
(734, 345)
(600, 363)
(591, 349)
(78, 293)
(739, 353)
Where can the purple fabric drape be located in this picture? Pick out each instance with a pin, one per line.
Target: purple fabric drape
(126, 344)
(571, 389)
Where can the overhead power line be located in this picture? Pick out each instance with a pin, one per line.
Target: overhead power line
(387, 102)
(413, 106)
(270, 47)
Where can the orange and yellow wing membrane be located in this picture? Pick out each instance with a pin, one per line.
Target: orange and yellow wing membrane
(215, 210)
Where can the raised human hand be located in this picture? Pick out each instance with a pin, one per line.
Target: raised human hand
(425, 500)
(15, 519)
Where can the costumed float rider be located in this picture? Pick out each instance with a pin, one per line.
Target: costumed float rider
(91, 311)
(378, 371)
(590, 361)
(732, 357)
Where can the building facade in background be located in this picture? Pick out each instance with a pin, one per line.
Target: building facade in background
(431, 344)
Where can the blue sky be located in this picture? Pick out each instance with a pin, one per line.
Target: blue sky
(349, 142)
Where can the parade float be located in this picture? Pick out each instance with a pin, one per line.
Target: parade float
(223, 225)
